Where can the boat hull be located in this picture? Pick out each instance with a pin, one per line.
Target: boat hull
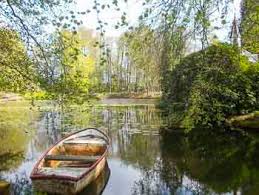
(67, 186)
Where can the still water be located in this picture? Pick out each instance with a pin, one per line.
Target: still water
(143, 159)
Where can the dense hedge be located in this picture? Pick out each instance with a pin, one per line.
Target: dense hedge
(211, 85)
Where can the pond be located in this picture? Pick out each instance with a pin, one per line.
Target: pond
(143, 158)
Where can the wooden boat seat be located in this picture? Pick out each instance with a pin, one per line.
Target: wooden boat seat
(62, 171)
(90, 136)
(86, 141)
(86, 159)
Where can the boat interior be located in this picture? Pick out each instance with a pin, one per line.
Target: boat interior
(73, 155)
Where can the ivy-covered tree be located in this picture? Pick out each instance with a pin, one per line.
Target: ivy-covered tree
(250, 26)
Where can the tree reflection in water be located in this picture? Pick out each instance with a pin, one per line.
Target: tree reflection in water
(217, 161)
(21, 184)
(202, 162)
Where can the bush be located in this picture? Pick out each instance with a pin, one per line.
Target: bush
(211, 85)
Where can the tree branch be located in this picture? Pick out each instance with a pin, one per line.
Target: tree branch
(25, 27)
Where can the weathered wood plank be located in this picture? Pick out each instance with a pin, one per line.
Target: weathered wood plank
(63, 171)
(94, 141)
(87, 137)
(72, 158)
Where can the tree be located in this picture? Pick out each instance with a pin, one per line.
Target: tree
(143, 57)
(74, 65)
(250, 26)
(34, 22)
(17, 72)
(195, 16)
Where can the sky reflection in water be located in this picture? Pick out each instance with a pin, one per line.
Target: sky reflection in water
(141, 160)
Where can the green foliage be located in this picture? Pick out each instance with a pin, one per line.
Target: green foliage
(73, 68)
(27, 30)
(143, 52)
(17, 72)
(209, 86)
(250, 25)
(252, 72)
(38, 95)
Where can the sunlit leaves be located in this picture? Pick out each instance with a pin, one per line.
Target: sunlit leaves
(75, 58)
(16, 69)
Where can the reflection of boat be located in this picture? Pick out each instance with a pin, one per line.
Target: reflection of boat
(71, 164)
(4, 187)
(97, 186)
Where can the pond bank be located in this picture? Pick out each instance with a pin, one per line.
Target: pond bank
(4, 97)
(153, 95)
(248, 121)
(126, 101)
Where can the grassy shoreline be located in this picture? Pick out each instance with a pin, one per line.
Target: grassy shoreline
(155, 95)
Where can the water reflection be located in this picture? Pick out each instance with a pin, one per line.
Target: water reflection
(4, 187)
(213, 161)
(15, 133)
(142, 161)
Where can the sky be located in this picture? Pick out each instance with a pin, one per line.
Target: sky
(133, 8)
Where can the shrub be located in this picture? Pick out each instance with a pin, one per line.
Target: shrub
(210, 85)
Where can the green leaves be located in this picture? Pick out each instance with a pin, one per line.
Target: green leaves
(115, 2)
(250, 26)
(17, 72)
(223, 22)
(141, 17)
(75, 56)
(213, 86)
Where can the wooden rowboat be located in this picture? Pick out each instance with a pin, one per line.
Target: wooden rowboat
(97, 186)
(4, 187)
(72, 163)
